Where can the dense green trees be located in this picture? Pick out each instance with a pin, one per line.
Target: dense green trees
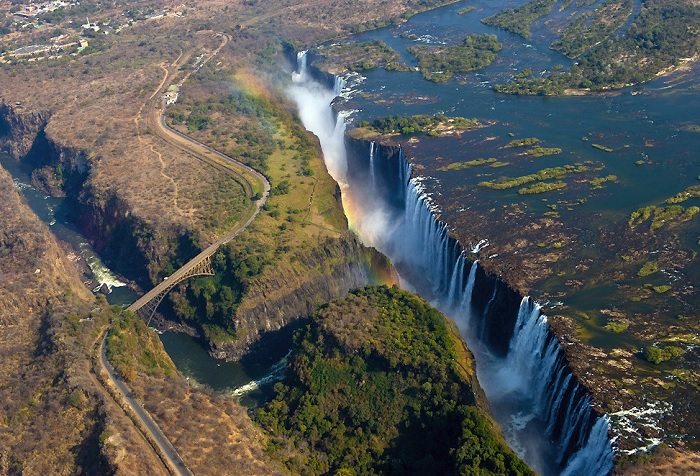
(590, 28)
(418, 124)
(664, 33)
(380, 384)
(518, 20)
(441, 63)
(210, 302)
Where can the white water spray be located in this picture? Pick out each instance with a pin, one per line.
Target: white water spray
(531, 385)
(275, 374)
(104, 276)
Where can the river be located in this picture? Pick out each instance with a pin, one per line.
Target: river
(251, 379)
(653, 138)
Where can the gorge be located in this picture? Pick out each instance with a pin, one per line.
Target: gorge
(546, 414)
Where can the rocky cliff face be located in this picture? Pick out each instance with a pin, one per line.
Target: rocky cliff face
(129, 245)
(19, 129)
(289, 291)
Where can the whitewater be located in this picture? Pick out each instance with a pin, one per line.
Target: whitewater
(545, 414)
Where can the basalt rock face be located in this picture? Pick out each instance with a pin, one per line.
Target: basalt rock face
(498, 303)
(18, 130)
(293, 290)
(491, 310)
(129, 245)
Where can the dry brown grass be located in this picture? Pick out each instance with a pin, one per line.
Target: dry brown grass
(665, 461)
(214, 435)
(52, 411)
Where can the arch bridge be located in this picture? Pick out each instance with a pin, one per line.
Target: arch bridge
(200, 265)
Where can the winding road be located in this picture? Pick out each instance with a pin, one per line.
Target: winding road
(242, 174)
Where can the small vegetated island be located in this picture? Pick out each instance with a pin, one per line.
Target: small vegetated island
(358, 56)
(518, 20)
(436, 125)
(441, 63)
(380, 383)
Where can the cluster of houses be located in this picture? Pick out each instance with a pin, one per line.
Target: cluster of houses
(58, 47)
(33, 9)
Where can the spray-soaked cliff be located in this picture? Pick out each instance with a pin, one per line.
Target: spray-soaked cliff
(294, 289)
(546, 414)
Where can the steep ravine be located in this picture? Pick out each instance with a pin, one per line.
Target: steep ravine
(547, 415)
(507, 326)
(129, 245)
(294, 289)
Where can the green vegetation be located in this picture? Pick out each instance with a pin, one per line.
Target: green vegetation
(132, 347)
(665, 33)
(436, 125)
(597, 183)
(505, 183)
(355, 56)
(662, 216)
(301, 213)
(468, 164)
(543, 151)
(441, 63)
(591, 28)
(617, 327)
(664, 288)
(542, 187)
(210, 302)
(380, 383)
(670, 215)
(465, 10)
(253, 143)
(691, 192)
(518, 20)
(648, 268)
(657, 355)
(522, 142)
(602, 147)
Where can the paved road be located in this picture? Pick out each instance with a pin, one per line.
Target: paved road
(240, 171)
(243, 174)
(166, 450)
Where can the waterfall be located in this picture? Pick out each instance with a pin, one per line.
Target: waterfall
(564, 405)
(339, 84)
(487, 310)
(372, 178)
(534, 367)
(465, 302)
(456, 283)
(300, 74)
(428, 242)
(532, 382)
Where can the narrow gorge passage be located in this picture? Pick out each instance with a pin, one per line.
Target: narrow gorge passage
(546, 415)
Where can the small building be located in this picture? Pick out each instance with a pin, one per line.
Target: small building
(90, 26)
(30, 50)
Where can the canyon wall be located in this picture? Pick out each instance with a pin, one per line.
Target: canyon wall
(490, 312)
(292, 290)
(131, 246)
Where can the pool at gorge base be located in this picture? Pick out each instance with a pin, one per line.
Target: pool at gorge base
(545, 413)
